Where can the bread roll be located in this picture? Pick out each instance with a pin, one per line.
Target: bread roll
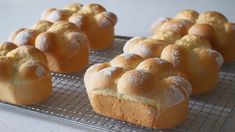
(179, 26)
(210, 25)
(188, 14)
(148, 92)
(24, 76)
(144, 47)
(193, 56)
(62, 42)
(92, 19)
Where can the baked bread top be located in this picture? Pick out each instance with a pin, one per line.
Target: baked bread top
(61, 41)
(210, 25)
(86, 17)
(152, 81)
(21, 65)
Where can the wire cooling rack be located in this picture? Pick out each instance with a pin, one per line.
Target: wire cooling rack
(69, 101)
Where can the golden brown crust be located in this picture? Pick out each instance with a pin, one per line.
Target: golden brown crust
(169, 37)
(213, 18)
(62, 42)
(192, 55)
(140, 93)
(24, 37)
(60, 35)
(144, 47)
(126, 60)
(42, 26)
(24, 76)
(204, 30)
(92, 19)
(211, 25)
(6, 47)
(178, 26)
(54, 15)
(75, 7)
(190, 15)
(138, 83)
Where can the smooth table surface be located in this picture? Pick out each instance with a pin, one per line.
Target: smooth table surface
(134, 18)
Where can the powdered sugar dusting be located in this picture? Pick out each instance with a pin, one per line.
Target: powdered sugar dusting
(160, 61)
(78, 20)
(176, 25)
(111, 17)
(77, 39)
(133, 79)
(105, 23)
(185, 22)
(158, 21)
(109, 71)
(40, 71)
(128, 55)
(182, 83)
(218, 57)
(108, 20)
(54, 16)
(173, 96)
(93, 67)
(138, 79)
(43, 44)
(23, 37)
(176, 57)
(146, 51)
(131, 42)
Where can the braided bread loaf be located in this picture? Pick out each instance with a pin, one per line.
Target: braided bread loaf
(145, 92)
(92, 19)
(210, 25)
(62, 42)
(24, 76)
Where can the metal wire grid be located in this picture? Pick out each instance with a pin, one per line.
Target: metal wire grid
(69, 101)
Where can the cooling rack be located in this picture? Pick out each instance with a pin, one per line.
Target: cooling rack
(69, 102)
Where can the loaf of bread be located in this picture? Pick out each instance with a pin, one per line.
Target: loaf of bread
(62, 42)
(210, 25)
(92, 19)
(148, 92)
(24, 76)
(191, 54)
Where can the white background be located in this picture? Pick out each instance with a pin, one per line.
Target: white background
(135, 18)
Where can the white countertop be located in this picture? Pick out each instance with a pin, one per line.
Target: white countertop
(135, 18)
(13, 121)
